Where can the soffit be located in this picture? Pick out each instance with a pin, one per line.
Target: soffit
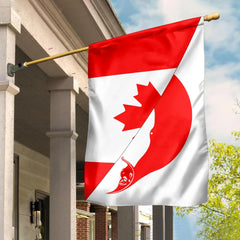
(77, 14)
(93, 20)
(32, 112)
(50, 27)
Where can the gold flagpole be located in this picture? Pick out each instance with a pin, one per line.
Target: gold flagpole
(211, 17)
(12, 69)
(208, 18)
(26, 64)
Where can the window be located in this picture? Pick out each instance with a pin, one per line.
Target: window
(44, 199)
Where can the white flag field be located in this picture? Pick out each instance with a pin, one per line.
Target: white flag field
(147, 140)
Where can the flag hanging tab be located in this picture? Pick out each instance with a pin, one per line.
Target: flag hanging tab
(147, 141)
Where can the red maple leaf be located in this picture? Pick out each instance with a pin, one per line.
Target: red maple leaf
(134, 116)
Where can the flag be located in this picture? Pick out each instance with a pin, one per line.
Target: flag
(146, 140)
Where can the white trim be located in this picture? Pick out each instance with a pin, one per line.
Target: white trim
(59, 25)
(9, 87)
(9, 17)
(80, 213)
(108, 23)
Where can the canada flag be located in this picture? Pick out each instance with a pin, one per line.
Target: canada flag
(146, 138)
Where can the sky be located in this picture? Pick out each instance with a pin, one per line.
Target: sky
(222, 48)
(222, 64)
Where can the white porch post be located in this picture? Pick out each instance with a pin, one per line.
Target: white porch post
(162, 222)
(128, 223)
(169, 223)
(158, 216)
(62, 158)
(9, 26)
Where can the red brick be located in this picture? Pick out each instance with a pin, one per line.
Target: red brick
(83, 223)
(101, 223)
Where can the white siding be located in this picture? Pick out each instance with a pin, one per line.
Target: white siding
(33, 175)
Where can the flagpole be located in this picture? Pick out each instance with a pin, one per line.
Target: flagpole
(12, 69)
(55, 56)
(211, 17)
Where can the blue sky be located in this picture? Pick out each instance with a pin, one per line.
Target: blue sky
(222, 48)
(222, 63)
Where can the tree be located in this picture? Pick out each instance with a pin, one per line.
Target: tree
(220, 216)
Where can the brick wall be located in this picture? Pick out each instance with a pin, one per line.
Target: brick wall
(83, 223)
(101, 223)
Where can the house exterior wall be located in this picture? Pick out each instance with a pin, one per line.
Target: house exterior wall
(48, 27)
(33, 175)
(9, 27)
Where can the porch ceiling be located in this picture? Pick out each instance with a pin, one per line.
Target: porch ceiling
(78, 16)
(93, 20)
(50, 27)
(32, 111)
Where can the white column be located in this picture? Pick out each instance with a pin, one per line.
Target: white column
(158, 222)
(9, 26)
(169, 223)
(62, 158)
(128, 225)
(162, 223)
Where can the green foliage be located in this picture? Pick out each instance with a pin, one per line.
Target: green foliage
(236, 134)
(220, 216)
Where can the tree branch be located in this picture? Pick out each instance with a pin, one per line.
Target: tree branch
(213, 210)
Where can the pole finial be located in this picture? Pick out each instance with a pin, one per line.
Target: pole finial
(211, 17)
